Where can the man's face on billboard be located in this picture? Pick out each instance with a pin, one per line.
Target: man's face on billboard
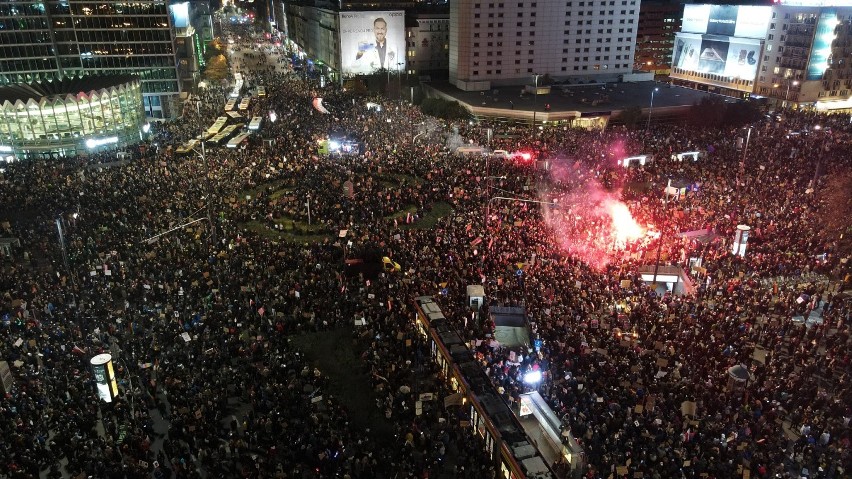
(380, 29)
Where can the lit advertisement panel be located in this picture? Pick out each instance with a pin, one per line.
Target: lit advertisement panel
(722, 20)
(726, 56)
(180, 14)
(687, 49)
(752, 21)
(822, 45)
(727, 20)
(104, 375)
(695, 18)
(371, 41)
(743, 54)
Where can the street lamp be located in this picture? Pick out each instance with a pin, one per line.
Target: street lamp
(787, 93)
(660, 244)
(399, 80)
(651, 109)
(741, 171)
(61, 233)
(203, 155)
(535, 98)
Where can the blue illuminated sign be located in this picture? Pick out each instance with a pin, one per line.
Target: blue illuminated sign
(822, 45)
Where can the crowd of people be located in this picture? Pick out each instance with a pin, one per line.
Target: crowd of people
(200, 316)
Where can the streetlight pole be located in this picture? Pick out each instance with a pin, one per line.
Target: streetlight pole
(742, 161)
(535, 99)
(399, 80)
(651, 109)
(61, 234)
(309, 209)
(660, 244)
(787, 93)
(212, 237)
(130, 385)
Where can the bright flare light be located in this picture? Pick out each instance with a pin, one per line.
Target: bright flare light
(624, 227)
(532, 377)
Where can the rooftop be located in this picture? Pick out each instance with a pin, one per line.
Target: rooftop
(66, 86)
(586, 98)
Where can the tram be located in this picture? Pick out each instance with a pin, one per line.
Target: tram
(503, 436)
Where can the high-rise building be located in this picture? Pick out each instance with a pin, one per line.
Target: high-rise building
(796, 53)
(427, 38)
(42, 41)
(507, 42)
(659, 20)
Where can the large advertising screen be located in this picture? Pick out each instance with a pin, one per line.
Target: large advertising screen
(180, 14)
(371, 41)
(725, 56)
(746, 21)
(821, 52)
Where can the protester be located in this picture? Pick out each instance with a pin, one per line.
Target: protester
(200, 320)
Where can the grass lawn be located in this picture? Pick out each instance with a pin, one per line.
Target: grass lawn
(279, 193)
(291, 229)
(439, 210)
(394, 180)
(288, 234)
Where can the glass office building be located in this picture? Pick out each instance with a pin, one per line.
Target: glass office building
(70, 117)
(54, 39)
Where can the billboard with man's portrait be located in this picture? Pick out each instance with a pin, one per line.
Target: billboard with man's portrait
(372, 41)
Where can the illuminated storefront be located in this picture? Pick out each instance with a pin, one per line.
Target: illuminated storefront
(71, 117)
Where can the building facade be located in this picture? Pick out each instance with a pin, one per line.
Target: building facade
(506, 42)
(329, 38)
(71, 116)
(427, 41)
(193, 29)
(659, 20)
(58, 39)
(794, 53)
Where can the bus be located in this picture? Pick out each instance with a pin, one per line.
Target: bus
(261, 91)
(217, 126)
(224, 134)
(186, 147)
(235, 141)
(254, 124)
(229, 106)
(238, 85)
(244, 103)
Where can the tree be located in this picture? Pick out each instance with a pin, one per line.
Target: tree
(709, 113)
(631, 117)
(216, 69)
(214, 49)
(440, 108)
(741, 113)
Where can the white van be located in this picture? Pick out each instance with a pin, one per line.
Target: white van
(469, 150)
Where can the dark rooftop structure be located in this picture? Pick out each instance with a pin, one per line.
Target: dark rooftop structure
(66, 86)
(570, 101)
